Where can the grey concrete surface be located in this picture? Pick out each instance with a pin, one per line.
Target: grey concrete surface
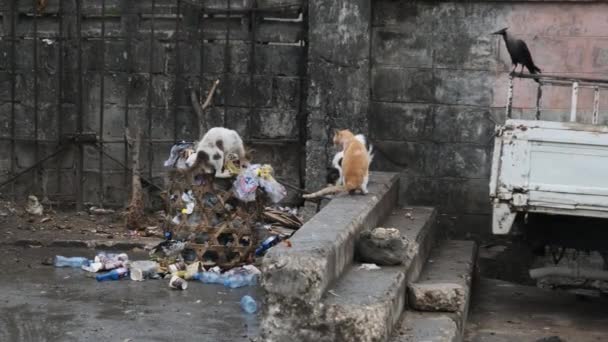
(426, 327)
(445, 282)
(42, 303)
(506, 312)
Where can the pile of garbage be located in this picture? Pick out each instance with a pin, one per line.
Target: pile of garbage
(210, 219)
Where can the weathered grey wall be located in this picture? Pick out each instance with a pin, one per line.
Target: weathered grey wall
(439, 85)
(145, 62)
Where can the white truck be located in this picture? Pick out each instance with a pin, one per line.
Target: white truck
(554, 170)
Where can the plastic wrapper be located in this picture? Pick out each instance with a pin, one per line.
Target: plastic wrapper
(246, 184)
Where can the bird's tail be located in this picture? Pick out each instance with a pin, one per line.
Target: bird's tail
(534, 70)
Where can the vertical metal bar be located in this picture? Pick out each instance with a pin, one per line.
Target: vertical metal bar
(36, 86)
(102, 76)
(252, 41)
(60, 75)
(596, 105)
(178, 64)
(227, 62)
(150, 91)
(13, 61)
(510, 97)
(130, 70)
(79, 119)
(574, 102)
(302, 110)
(539, 95)
(202, 62)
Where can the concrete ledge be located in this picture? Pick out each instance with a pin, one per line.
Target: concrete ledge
(445, 282)
(324, 246)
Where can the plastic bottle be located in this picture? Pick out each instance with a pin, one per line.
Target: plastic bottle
(248, 304)
(114, 274)
(209, 277)
(61, 261)
(239, 280)
(269, 242)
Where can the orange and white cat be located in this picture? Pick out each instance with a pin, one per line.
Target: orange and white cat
(355, 166)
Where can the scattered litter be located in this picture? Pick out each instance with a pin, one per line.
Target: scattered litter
(76, 262)
(246, 184)
(248, 304)
(269, 242)
(33, 206)
(143, 269)
(333, 293)
(369, 267)
(409, 216)
(178, 283)
(115, 274)
(100, 211)
(198, 301)
(44, 220)
(107, 261)
(179, 154)
(48, 41)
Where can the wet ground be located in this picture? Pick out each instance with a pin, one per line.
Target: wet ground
(42, 303)
(506, 312)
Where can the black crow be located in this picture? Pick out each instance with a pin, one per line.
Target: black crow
(519, 52)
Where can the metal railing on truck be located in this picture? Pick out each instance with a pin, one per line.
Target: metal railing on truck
(560, 81)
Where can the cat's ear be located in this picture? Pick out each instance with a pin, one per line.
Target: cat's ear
(336, 131)
(202, 156)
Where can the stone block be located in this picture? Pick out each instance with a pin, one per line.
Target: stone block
(402, 49)
(286, 93)
(461, 161)
(238, 91)
(282, 60)
(437, 296)
(149, 56)
(403, 85)
(275, 123)
(464, 124)
(404, 16)
(466, 87)
(462, 195)
(400, 121)
(384, 247)
(423, 326)
(398, 156)
(239, 119)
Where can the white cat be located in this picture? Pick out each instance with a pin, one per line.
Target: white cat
(213, 147)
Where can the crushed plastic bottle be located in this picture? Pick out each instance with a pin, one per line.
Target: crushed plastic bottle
(77, 262)
(209, 277)
(248, 304)
(114, 274)
(236, 280)
(269, 242)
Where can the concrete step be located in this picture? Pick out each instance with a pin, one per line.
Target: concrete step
(439, 299)
(295, 278)
(365, 305)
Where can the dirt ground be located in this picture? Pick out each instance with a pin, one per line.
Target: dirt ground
(16, 224)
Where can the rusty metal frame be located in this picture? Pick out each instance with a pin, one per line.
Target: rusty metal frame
(71, 45)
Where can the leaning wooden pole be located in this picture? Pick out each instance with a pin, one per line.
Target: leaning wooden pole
(135, 215)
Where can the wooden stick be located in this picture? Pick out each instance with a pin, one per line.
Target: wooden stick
(199, 107)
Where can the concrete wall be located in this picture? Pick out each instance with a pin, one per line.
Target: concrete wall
(145, 78)
(439, 84)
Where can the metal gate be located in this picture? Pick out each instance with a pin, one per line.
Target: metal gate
(74, 74)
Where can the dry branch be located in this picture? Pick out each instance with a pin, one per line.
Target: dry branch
(199, 107)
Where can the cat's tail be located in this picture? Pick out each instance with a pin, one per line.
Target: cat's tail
(370, 153)
(326, 191)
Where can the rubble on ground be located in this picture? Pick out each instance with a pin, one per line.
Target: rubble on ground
(385, 247)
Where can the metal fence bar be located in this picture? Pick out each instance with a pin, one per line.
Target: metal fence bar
(60, 75)
(227, 61)
(510, 97)
(574, 102)
(176, 90)
(80, 108)
(130, 70)
(150, 90)
(101, 101)
(36, 86)
(539, 95)
(596, 105)
(252, 42)
(302, 111)
(201, 63)
(13, 59)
